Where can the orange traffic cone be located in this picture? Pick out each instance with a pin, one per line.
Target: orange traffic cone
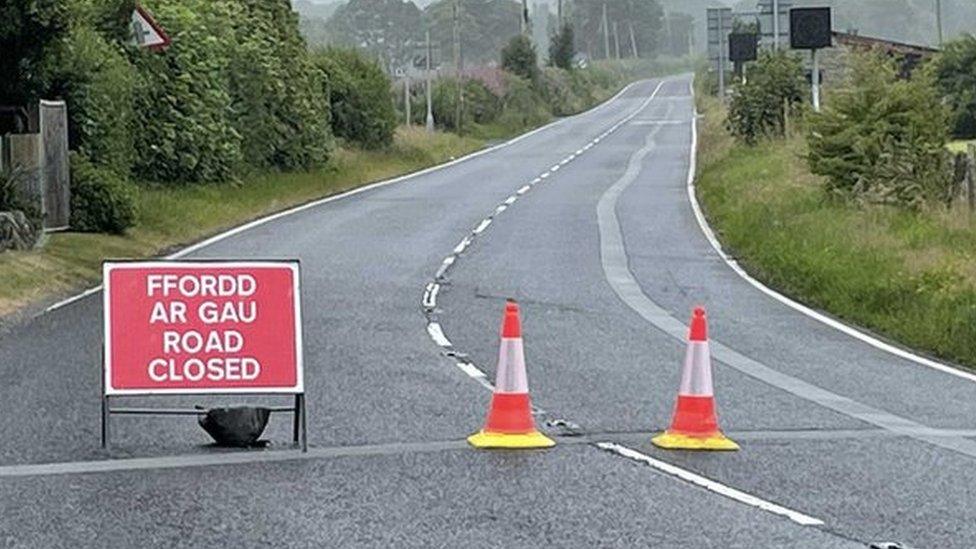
(510, 423)
(695, 425)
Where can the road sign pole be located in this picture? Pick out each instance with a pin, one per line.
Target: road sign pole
(815, 80)
(775, 25)
(721, 58)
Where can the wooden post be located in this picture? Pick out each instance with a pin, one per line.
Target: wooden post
(971, 177)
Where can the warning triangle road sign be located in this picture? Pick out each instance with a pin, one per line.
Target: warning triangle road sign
(146, 32)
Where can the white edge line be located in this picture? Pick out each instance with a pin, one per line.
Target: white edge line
(352, 192)
(471, 370)
(710, 485)
(820, 317)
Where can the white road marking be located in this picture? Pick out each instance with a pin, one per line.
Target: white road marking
(462, 245)
(500, 209)
(833, 323)
(523, 190)
(511, 200)
(544, 176)
(710, 485)
(437, 334)
(484, 225)
(430, 296)
(471, 369)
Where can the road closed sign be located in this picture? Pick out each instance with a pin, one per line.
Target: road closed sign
(202, 327)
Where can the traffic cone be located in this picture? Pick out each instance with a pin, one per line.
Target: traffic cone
(509, 423)
(695, 425)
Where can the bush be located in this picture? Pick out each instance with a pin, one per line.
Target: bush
(184, 107)
(562, 48)
(955, 73)
(563, 92)
(880, 138)
(519, 58)
(759, 107)
(101, 201)
(359, 96)
(522, 107)
(97, 81)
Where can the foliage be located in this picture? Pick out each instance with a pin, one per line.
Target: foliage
(278, 97)
(485, 27)
(359, 95)
(774, 89)
(519, 58)
(882, 139)
(389, 29)
(522, 106)
(955, 72)
(98, 83)
(226, 96)
(101, 201)
(185, 108)
(562, 48)
(13, 196)
(28, 31)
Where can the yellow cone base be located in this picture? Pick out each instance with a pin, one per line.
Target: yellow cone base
(675, 441)
(534, 439)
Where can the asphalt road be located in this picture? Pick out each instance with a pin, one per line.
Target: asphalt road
(607, 259)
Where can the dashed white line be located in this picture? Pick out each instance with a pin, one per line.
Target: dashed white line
(511, 200)
(430, 295)
(500, 209)
(437, 334)
(484, 225)
(462, 245)
(471, 369)
(523, 190)
(544, 176)
(710, 485)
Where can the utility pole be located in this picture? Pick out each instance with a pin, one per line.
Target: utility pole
(606, 32)
(458, 63)
(775, 25)
(668, 31)
(406, 96)
(938, 21)
(815, 80)
(633, 41)
(430, 102)
(559, 14)
(616, 39)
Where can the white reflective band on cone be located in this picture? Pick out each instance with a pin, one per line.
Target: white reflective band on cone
(696, 379)
(511, 367)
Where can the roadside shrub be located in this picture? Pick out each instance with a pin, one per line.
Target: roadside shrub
(522, 107)
(562, 48)
(97, 82)
(775, 87)
(520, 59)
(278, 98)
(561, 91)
(882, 139)
(101, 201)
(185, 112)
(359, 95)
(955, 73)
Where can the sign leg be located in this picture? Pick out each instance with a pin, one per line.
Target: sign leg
(106, 418)
(304, 426)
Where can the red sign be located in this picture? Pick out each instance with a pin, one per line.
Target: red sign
(202, 327)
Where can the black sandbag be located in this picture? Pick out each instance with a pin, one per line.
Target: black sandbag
(240, 426)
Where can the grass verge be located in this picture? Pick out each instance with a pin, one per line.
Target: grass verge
(909, 276)
(174, 216)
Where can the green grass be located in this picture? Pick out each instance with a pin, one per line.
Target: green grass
(909, 276)
(173, 216)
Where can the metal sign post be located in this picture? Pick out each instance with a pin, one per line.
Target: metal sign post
(815, 80)
(719, 27)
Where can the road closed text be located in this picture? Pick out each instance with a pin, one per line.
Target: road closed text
(194, 327)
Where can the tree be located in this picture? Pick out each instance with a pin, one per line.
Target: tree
(955, 72)
(881, 138)
(776, 82)
(29, 29)
(359, 94)
(562, 48)
(519, 58)
(389, 29)
(486, 26)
